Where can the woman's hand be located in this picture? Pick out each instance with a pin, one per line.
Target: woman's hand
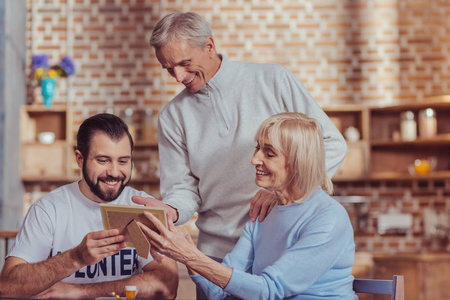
(177, 244)
(174, 242)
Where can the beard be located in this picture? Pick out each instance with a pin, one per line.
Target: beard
(109, 195)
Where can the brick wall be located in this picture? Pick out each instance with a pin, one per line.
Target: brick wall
(343, 51)
(418, 198)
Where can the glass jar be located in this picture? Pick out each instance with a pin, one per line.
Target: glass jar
(128, 119)
(408, 126)
(427, 123)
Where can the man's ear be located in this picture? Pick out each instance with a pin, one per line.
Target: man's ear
(79, 158)
(210, 47)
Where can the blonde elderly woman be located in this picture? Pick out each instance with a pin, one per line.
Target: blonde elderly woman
(303, 250)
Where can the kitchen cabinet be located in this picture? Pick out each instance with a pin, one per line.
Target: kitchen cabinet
(392, 157)
(426, 274)
(46, 160)
(376, 156)
(380, 154)
(55, 162)
(146, 163)
(45, 167)
(356, 117)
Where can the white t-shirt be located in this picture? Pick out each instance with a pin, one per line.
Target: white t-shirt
(59, 221)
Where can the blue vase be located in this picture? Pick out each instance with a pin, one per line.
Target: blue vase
(48, 90)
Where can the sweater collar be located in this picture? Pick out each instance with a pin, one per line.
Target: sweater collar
(219, 79)
(305, 203)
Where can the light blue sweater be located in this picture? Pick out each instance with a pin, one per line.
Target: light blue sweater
(301, 251)
(206, 143)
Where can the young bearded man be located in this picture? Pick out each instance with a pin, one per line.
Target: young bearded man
(62, 251)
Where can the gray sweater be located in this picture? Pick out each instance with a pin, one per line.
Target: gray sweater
(206, 142)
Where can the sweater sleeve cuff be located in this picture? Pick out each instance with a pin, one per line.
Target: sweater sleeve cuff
(183, 212)
(196, 278)
(235, 282)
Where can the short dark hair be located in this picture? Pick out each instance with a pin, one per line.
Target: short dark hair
(109, 124)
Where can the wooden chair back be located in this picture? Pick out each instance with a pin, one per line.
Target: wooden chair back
(394, 287)
(7, 235)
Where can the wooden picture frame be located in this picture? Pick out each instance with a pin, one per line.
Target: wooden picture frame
(124, 218)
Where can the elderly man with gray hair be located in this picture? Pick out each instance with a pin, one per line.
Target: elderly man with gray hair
(205, 133)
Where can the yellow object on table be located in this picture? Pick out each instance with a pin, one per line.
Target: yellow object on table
(130, 292)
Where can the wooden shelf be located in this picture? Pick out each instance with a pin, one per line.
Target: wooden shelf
(143, 180)
(49, 179)
(137, 144)
(390, 159)
(442, 101)
(439, 140)
(344, 116)
(46, 160)
(349, 179)
(41, 108)
(145, 144)
(344, 108)
(406, 176)
(394, 176)
(64, 180)
(55, 143)
(376, 157)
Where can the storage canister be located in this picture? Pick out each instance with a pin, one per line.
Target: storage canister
(408, 126)
(427, 123)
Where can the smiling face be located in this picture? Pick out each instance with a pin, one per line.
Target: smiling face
(271, 168)
(191, 66)
(107, 169)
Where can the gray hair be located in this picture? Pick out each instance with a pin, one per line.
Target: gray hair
(185, 26)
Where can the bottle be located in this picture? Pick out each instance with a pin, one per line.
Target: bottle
(129, 121)
(408, 126)
(427, 123)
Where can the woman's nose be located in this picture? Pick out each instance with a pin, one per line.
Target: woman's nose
(256, 159)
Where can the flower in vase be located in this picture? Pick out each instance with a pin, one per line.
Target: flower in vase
(67, 66)
(46, 75)
(42, 69)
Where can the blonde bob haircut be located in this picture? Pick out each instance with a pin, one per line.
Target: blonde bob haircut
(299, 138)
